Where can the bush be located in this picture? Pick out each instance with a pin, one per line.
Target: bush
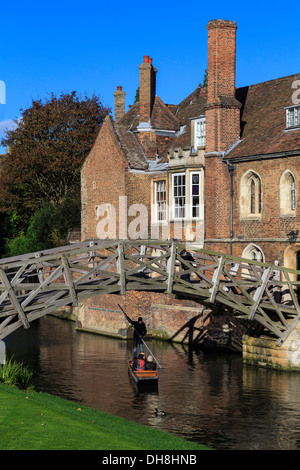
(47, 228)
(15, 374)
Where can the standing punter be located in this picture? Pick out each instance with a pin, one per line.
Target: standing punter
(139, 331)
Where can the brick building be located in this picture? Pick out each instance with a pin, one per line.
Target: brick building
(221, 168)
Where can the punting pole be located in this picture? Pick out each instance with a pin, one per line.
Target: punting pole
(127, 317)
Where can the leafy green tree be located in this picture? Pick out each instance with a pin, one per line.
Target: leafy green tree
(136, 98)
(48, 227)
(204, 83)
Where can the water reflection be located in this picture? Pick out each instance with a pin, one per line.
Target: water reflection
(210, 398)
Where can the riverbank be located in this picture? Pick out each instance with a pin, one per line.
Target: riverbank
(39, 421)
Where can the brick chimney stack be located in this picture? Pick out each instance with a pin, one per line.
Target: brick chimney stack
(222, 129)
(147, 88)
(119, 96)
(223, 110)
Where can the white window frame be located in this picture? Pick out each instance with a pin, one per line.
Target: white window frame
(174, 197)
(192, 173)
(292, 117)
(199, 132)
(157, 202)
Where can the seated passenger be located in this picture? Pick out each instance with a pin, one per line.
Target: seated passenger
(150, 365)
(139, 363)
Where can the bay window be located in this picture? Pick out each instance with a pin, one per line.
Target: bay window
(186, 193)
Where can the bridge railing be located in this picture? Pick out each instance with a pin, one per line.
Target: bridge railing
(35, 284)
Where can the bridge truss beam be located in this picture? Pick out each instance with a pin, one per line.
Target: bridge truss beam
(35, 284)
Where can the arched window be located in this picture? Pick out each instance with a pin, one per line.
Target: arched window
(254, 253)
(251, 195)
(287, 194)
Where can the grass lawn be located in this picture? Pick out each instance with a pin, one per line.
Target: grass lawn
(39, 421)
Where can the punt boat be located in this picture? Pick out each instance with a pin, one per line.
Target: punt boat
(143, 377)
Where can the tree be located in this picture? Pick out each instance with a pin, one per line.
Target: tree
(136, 98)
(47, 228)
(204, 84)
(46, 151)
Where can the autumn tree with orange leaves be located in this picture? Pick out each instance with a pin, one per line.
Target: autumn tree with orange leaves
(45, 154)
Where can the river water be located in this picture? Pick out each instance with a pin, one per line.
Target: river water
(211, 398)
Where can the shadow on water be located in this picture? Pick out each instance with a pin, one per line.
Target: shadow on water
(210, 398)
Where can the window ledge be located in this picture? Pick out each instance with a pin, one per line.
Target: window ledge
(251, 217)
(159, 222)
(288, 214)
(292, 128)
(187, 219)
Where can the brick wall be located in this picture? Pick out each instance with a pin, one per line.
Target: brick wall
(271, 224)
(138, 192)
(103, 178)
(107, 180)
(217, 188)
(166, 316)
(270, 229)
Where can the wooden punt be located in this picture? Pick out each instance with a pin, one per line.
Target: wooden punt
(143, 377)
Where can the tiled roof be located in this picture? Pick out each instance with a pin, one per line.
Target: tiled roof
(191, 107)
(263, 122)
(131, 117)
(162, 117)
(263, 119)
(131, 147)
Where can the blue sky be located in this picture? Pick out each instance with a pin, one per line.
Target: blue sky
(94, 46)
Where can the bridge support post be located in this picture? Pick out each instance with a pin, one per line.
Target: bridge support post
(2, 352)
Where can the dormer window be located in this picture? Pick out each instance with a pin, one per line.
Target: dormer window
(199, 132)
(293, 117)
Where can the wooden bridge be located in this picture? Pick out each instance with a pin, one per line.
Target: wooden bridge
(35, 284)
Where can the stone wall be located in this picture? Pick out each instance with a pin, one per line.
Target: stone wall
(264, 352)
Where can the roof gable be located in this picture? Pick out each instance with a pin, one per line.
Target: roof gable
(131, 148)
(126, 141)
(162, 117)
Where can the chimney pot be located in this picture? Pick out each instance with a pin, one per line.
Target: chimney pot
(119, 88)
(146, 59)
(150, 60)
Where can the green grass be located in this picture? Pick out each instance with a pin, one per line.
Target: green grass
(39, 421)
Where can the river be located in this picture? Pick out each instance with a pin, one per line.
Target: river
(211, 398)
